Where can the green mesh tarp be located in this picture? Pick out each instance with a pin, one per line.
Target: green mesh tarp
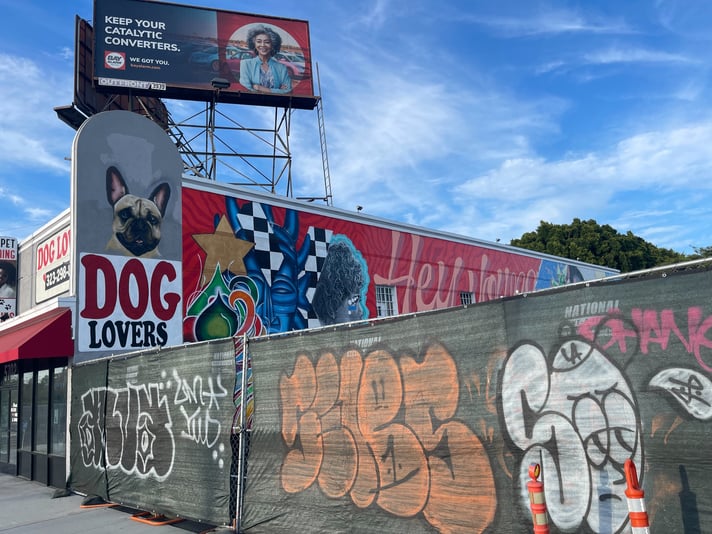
(152, 430)
(429, 423)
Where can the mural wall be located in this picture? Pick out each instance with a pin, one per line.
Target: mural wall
(150, 428)
(429, 423)
(253, 268)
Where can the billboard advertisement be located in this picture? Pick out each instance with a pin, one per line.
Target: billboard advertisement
(53, 267)
(126, 209)
(86, 98)
(8, 277)
(177, 51)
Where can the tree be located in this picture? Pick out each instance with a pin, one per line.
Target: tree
(591, 242)
(701, 252)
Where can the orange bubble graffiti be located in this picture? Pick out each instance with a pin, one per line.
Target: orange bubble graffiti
(383, 429)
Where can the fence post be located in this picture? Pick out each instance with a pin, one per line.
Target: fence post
(537, 501)
(243, 437)
(636, 500)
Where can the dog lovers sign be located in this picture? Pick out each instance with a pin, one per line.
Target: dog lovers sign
(126, 223)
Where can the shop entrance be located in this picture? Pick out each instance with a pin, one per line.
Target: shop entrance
(8, 417)
(42, 421)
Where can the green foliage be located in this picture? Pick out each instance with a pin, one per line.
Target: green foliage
(701, 252)
(591, 242)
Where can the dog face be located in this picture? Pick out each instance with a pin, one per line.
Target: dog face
(137, 221)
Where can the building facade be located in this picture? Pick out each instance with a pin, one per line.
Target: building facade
(245, 263)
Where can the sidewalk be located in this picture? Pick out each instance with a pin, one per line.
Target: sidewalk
(29, 508)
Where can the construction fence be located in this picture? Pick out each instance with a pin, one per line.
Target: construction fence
(422, 423)
(429, 423)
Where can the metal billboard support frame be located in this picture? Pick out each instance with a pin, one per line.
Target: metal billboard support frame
(218, 134)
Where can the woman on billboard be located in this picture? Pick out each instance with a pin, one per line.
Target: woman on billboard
(263, 73)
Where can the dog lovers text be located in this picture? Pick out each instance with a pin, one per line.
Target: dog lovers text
(129, 303)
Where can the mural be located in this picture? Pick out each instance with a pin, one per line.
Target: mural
(254, 268)
(340, 293)
(251, 269)
(430, 422)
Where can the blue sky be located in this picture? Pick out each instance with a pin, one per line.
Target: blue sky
(481, 118)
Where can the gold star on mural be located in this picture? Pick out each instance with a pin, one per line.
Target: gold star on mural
(222, 247)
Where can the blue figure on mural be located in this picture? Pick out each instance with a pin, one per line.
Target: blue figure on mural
(340, 295)
(554, 274)
(282, 297)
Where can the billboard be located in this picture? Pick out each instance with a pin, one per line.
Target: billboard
(87, 101)
(8, 277)
(177, 51)
(126, 209)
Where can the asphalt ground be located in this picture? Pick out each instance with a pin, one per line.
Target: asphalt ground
(28, 507)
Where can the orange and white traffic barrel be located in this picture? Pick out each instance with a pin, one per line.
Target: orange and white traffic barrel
(537, 502)
(636, 500)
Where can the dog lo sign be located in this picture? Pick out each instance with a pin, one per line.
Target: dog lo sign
(126, 218)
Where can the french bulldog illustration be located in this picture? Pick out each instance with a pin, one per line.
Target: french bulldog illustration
(136, 225)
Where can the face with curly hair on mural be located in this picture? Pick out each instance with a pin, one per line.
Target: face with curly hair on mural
(339, 294)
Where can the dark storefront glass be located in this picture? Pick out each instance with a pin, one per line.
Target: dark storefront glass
(58, 420)
(40, 417)
(4, 425)
(26, 412)
(8, 416)
(13, 426)
(33, 418)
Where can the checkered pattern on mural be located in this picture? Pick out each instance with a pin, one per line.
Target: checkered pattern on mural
(257, 228)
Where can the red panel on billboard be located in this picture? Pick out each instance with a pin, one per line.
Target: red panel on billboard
(185, 52)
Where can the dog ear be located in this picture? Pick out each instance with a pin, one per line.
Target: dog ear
(115, 185)
(160, 197)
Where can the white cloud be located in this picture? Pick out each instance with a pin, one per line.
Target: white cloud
(671, 163)
(634, 55)
(30, 132)
(550, 23)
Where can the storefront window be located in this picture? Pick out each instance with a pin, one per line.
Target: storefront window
(8, 413)
(4, 425)
(13, 426)
(26, 412)
(41, 411)
(58, 420)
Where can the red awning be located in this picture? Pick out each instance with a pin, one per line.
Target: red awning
(48, 335)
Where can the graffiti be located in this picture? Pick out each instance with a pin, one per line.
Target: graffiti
(137, 417)
(134, 429)
(382, 430)
(648, 328)
(578, 381)
(201, 397)
(423, 279)
(577, 416)
(691, 389)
